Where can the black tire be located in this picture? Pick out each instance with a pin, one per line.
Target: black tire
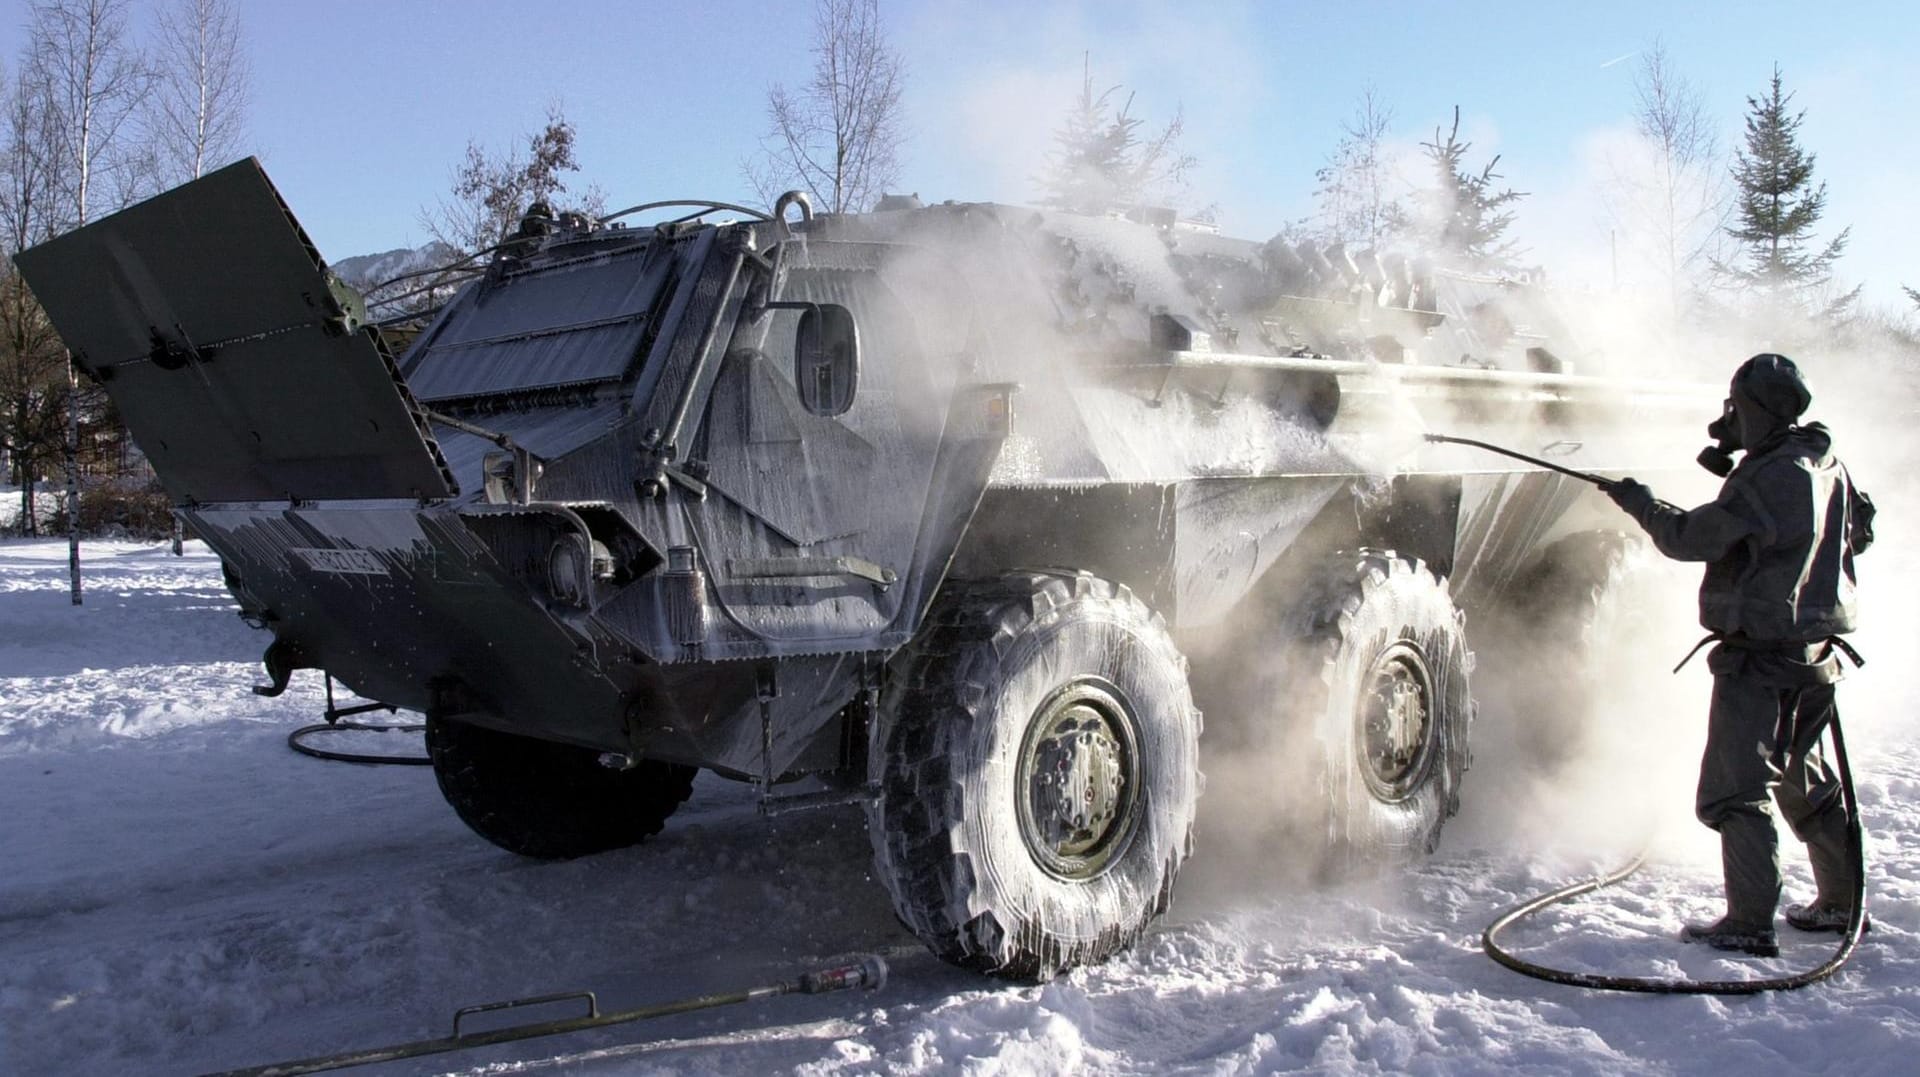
(546, 800)
(1575, 584)
(1376, 664)
(1581, 614)
(1015, 690)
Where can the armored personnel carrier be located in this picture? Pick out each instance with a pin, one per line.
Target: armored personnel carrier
(931, 503)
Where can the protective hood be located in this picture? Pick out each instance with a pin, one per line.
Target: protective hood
(1768, 394)
(1812, 443)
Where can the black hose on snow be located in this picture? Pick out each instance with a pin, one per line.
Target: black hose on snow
(300, 740)
(1856, 848)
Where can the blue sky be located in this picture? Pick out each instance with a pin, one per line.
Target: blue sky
(360, 109)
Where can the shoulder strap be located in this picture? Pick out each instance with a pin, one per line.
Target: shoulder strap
(1860, 512)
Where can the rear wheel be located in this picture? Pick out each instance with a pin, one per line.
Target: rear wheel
(1375, 668)
(1582, 616)
(547, 800)
(1037, 756)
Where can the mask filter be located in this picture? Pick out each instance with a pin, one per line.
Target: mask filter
(1715, 459)
(1718, 457)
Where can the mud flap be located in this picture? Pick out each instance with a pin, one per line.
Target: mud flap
(213, 323)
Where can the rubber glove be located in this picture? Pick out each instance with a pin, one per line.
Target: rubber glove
(1630, 494)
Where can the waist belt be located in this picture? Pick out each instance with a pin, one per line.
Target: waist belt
(1742, 643)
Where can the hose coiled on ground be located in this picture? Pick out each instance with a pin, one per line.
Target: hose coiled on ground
(1856, 923)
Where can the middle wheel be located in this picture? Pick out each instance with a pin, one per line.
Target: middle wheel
(1374, 673)
(1037, 754)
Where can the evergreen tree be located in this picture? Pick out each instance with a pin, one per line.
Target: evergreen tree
(1776, 205)
(1102, 160)
(1466, 216)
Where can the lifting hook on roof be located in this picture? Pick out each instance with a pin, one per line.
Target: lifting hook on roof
(793, 198)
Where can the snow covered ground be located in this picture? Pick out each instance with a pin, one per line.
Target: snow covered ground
(179, 893)
(46, 504)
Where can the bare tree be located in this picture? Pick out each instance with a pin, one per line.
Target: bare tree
(197, 110)
(201, 83)
(492, 190)
(1669, 199)
(93, 80)
(492, 195)
(1103, 159)
(1356, 196)
(838, 136)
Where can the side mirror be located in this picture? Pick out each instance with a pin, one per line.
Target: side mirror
(826, 358)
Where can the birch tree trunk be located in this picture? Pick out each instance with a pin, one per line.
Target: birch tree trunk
(94, 79)
(73, 478)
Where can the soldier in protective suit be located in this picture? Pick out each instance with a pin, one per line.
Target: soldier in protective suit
(1779, 544)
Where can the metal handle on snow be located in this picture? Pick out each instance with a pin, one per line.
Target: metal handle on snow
(593, 1006)
(869, 972)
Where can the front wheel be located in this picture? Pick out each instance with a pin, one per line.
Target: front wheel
(1037, 754)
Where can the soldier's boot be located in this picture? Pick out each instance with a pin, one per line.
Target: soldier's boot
(1833, 874)
(1824, 919)
(1727, 933)
(1750, 860)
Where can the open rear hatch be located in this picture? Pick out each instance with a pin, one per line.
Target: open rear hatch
(213, 323)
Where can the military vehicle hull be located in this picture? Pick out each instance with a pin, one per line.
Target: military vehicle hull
(927, 501)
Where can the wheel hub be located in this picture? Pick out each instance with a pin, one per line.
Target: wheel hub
(1396, 721)
(1078, 782)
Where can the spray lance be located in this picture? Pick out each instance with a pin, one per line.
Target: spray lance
(1717, 458)
(1583, 476)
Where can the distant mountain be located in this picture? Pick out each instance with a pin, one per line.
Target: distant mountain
(364, 271)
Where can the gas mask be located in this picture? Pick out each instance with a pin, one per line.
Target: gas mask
(1725, 432)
